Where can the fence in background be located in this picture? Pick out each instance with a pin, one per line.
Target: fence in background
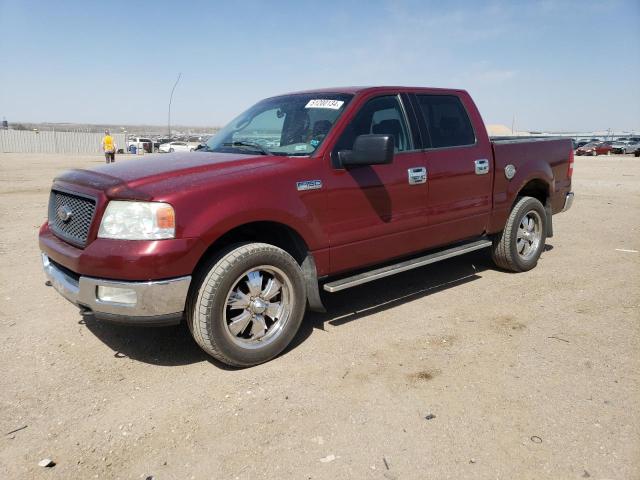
(28, 141)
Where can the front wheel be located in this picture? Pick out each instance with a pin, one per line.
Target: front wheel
(518, 247)
(247, 304)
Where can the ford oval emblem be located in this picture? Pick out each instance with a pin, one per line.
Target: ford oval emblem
(64, 213)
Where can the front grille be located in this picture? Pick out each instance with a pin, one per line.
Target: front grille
(79, 209)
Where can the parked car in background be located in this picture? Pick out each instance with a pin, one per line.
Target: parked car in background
(631, 148)
(580, 143)
(194, 142)
(594, 148)
(178, 146)
(136, 144)
(619, 146)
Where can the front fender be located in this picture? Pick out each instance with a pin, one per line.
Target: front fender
(210, 212)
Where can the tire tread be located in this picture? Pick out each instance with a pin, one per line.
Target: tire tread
(501, 252)
(219, 267)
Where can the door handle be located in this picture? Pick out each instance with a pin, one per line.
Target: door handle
(417, 175)
(482, 166)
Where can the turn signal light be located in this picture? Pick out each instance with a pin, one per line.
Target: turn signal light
(166, 217)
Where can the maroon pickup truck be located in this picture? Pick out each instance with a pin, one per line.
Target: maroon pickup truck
(324, 189)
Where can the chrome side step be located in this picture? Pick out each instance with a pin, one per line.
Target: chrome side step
(389, 270)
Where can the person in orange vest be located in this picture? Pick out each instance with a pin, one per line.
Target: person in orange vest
(109, 147)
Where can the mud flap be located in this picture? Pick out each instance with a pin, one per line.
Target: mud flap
(549, 223)
(311, 283)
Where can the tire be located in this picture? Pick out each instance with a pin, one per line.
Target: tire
(171, 150)
(237, 313)
(509, 250)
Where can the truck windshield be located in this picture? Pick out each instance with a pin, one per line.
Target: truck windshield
(290, 125)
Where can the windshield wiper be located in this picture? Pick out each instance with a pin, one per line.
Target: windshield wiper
(254, 145)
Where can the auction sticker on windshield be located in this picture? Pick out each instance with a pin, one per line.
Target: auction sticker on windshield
(320, 103)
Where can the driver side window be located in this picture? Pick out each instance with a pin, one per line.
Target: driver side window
(381, 115)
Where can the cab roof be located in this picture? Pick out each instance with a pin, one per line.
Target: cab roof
(354, 90)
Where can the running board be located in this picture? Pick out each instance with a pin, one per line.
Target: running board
(389, 270)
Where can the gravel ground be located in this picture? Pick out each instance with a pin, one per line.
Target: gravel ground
(455, 370)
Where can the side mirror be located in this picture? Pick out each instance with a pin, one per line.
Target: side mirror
(368, 150)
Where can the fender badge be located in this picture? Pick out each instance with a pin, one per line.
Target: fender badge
(509, 171)
(309, 185)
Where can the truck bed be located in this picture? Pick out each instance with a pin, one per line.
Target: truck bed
(542, 158)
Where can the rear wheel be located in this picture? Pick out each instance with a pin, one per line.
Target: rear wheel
(518, 247)
(247, 304)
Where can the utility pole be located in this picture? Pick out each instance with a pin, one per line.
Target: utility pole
(170, 99)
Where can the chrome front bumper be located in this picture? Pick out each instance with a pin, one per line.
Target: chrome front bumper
(156, 303)
(568, 201)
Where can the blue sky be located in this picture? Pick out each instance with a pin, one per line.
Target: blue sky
(568, 65)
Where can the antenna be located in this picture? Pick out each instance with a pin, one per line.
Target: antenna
(170, 99)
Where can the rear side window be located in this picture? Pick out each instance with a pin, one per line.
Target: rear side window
(447, 122)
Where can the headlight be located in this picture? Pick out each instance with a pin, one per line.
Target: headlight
(127, 220)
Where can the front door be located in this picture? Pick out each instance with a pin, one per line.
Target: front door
(376, 212)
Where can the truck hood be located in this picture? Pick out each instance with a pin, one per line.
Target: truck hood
(135, 178)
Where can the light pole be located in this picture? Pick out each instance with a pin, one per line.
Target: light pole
(170, 99)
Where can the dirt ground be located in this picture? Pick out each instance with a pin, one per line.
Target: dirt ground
(528, 376)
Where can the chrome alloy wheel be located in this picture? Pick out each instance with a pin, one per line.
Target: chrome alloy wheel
(529, 235)
(258, 306)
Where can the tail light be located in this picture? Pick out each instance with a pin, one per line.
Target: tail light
(570, 170)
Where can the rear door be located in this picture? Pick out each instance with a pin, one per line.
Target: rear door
(459, 165)
(376, 212)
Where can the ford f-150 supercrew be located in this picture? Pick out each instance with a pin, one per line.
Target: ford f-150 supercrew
(324, 189)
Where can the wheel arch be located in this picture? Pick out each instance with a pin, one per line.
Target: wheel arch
(540, 189)
(274, 233)
(536, 187)
(280, 235)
